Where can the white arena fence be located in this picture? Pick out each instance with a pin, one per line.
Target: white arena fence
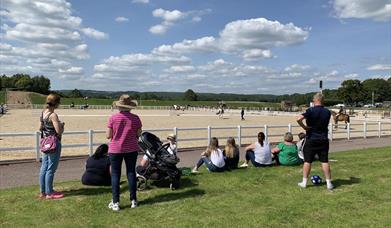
(362, 130)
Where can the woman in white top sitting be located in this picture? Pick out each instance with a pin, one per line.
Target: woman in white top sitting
(213, 158)
(259, 153)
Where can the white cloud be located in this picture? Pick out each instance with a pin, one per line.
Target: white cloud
(72, 70)
(380, 67)
(351, 76)
(140, 1)
(250, 39)
(378, 10)
(121, 19)
(297, 67)
(158, 29)
(171, 18)
(168, 16)
(43, 37)
(257, 54)
(93, 33)
(180, 69)
(204, 44)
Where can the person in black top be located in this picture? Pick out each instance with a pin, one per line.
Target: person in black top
(98, 168)
(317, 143)
(231, 154)
(242, 113)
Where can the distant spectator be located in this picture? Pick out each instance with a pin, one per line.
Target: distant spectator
(231, 154)
(98, 168)
(242, 113)
(213, 158)
(72, 105)
(258, 153)
(285, 153)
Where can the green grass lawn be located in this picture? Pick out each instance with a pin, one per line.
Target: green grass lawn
(2, 97)
(253, 197)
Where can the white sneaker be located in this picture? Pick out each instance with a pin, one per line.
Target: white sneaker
(244, 165)
(302, 185)
(134, 204)
(114, 206)
(194, 170)
(330, 186)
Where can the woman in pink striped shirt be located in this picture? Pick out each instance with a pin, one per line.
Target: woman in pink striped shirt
(123, 130)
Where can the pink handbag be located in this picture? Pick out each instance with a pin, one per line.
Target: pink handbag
(48, 144)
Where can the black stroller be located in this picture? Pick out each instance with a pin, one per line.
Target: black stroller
(162, 164)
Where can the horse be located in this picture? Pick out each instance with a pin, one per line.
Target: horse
(341, 117)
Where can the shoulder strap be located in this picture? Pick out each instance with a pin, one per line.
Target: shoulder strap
(47, 117)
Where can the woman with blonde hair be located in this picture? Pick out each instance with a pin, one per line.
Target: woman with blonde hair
(285, 153)
(213, 158)
(51, 127)
(231, 154)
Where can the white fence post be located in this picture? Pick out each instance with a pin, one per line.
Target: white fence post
(209, 134)
(290, 128)
(379, 129)
(90, 142)
(37, 149)
(175, 131)
(239, 135)
(365, 130)
(331, 132)
(266, 133)
(348, 131)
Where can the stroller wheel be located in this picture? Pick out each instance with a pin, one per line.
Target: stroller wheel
(141, 183)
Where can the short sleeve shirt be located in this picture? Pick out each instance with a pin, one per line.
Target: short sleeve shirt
(317, 118)
(125, 126)
(288, 154)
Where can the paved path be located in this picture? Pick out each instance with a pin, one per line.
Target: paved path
(25, 174)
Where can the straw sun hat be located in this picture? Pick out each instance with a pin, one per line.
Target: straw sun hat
(171, 136)
(125, 102)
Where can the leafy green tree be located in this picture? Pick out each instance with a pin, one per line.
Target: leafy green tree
(380, 88)
(24, 83)
(41, 84)
(351, 91)
(75, 94)
(190, 95)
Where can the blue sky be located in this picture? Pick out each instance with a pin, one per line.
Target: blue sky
(226, 46)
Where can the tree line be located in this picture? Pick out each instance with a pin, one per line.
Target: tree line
(24, 82)
(351, 92)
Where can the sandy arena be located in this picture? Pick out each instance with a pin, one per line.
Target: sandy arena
(18, 121)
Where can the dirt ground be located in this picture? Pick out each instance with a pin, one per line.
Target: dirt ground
(18, 121)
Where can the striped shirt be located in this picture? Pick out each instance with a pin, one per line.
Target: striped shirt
(125, 126)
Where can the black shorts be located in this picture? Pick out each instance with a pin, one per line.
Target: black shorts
(314, 147)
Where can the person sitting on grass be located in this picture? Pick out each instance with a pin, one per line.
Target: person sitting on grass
(285, 153)
(213, 158)
(300, 145)
(231, 154)
(258, 153)
(172, 149)
(98, 168)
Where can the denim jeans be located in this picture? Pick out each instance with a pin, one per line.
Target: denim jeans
(250, 156)
(116, 166)
(209, 164)
(48, 169)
